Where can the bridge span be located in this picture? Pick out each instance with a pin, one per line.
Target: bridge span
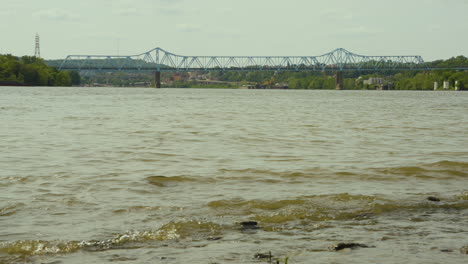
(158, 60)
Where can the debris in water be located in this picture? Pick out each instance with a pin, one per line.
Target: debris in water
(446, 250)
(264, 256)
(464, 250)
(433, 199)
(341, 246)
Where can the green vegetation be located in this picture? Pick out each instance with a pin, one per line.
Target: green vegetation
(188, 84)
(295, 80)
(117, 79)
(425, 80)
(402, 80)
(279, 261)
(33, 71)
(399, 80)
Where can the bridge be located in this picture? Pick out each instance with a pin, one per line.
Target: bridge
(158, 60)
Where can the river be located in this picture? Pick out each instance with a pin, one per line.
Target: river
(103, 175)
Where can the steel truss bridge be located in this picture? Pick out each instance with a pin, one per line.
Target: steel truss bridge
(159, 60)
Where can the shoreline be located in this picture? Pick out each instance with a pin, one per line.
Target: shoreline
(4, 84)
(12, 83)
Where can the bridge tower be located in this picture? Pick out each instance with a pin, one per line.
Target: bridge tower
(37, 51)
(157, 79)
(339, 80)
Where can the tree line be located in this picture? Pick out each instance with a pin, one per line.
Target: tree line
(398, 80)
(32, 71)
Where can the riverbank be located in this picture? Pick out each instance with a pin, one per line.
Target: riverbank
(12, 83)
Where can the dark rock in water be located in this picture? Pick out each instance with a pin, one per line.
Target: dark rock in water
(263, 256)
(341, 246)
(446, 250)
(364, 215)
(214, 238)
(249, 225)
(433, 199)
(464, 250)
(417, 219)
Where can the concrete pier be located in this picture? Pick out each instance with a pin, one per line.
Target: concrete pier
(157, 79)
(339, 80)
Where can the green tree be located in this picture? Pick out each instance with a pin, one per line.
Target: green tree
(63, 79)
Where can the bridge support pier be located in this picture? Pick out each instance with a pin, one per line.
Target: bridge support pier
(339, 80)
(157, 79)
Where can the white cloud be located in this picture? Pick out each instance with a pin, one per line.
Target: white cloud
(5, 12)
(170, 10)
(129, 12)
(171, 7)
(171, 1)
(55, 14)
(359, 31)
(104, 35)
(188, 27)
(337, 16)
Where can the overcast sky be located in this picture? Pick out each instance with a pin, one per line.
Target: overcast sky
(434, 29)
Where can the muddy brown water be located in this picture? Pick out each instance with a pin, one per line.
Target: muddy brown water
(168, 175)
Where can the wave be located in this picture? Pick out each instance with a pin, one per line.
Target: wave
(39, 247)
(450, 164)
(170, 231)
(286, 174)
(438, 170)
(163, 181)
(463, 196)
(318, 208)
(10, 209)
(137, 208)
(166, 181)
(304, 212)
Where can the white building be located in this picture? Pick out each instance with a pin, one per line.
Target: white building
(375, 80)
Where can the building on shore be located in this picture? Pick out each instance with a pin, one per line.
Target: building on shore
(378, 83)
(265, 86)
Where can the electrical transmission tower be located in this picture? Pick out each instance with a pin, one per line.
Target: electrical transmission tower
(37, 52)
